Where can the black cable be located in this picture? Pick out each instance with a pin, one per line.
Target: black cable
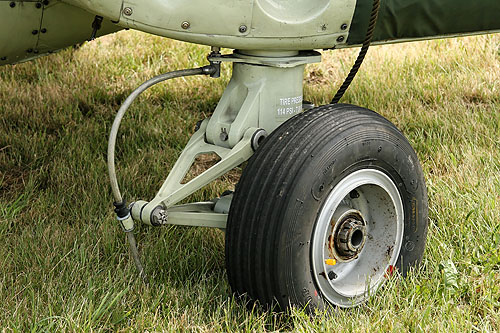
(362, 53)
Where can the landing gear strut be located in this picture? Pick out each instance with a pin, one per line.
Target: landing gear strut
(331, 203)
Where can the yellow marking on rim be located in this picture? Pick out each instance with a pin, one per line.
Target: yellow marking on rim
(331, 262)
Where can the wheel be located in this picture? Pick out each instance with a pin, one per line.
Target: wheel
(331, 204)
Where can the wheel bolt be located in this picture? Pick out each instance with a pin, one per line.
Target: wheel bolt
(332, 275)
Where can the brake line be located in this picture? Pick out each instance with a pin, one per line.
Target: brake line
(362, 53)
(121, 209)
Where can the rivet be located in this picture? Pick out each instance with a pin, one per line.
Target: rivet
(34, 32)
(127, 11)
(38, 5)
(340, 39)
(46, 2)
(29, 50)
(43, 30)
(185, 25)
(343, 26)
(35, 51)
(12, 4)
(3, 58)
(242, 29)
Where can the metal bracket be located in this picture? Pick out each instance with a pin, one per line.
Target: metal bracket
(173, 191)
(200, 214)
(302, 58)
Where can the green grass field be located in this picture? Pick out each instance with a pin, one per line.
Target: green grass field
(64, 262)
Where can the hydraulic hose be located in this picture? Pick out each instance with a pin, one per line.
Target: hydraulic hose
(123, 212)
(361, 55)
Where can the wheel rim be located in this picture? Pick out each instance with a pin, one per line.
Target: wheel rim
(360, 226)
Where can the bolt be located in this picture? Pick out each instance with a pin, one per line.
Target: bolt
(43, 30)
(185, 25)
(127, 11)
(243, 28)
(159, 216)
(3, 58)
(46, 2)
(12, 4)
(35, 51)
(340, 39)
(343, 26)
(38, 5)
(223, 136)
(332, 275)
(29, 50)
(354, 194)
(323, 27)
(34, 32)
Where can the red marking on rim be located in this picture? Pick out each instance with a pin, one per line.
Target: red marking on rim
(390, 271)
(315, 293)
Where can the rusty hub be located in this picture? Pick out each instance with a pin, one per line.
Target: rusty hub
(348, 236)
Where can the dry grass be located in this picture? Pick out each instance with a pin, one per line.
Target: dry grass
(64, 262)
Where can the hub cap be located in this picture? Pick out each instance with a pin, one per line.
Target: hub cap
(360, 228)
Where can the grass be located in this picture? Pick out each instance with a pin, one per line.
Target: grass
(64, 262)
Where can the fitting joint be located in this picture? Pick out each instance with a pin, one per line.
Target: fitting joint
(214, 68)
(123, 216)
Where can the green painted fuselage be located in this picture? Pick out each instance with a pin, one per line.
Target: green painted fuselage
(30, 28)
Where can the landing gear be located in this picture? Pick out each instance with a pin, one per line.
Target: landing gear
(332, 204)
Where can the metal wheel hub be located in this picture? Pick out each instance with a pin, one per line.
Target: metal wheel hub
(348, 236)
(357, 237)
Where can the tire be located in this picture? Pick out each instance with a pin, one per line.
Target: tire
(335, 182)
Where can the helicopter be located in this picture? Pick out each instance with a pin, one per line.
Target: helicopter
(333, 199)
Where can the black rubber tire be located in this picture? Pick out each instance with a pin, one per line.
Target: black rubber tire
(276, 202)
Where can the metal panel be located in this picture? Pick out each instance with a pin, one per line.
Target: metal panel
(110, 9)
(215, 17)
(30, 29)
(245, 24)
(76, 27)
(18, 22)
